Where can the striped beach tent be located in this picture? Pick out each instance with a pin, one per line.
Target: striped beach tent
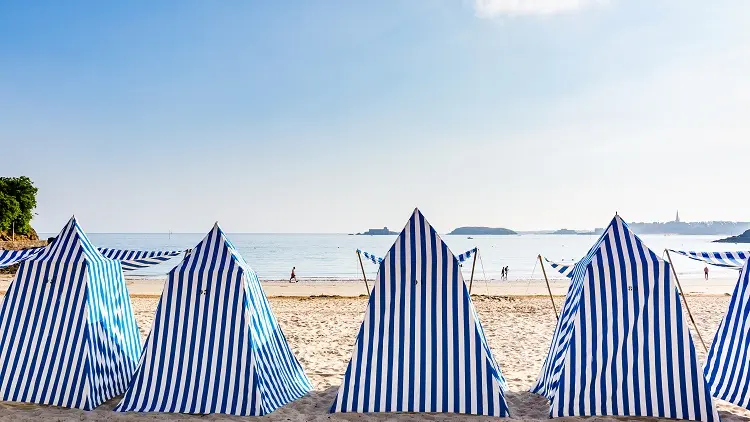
(421, 347)
(68, 336)
(622, 346)
(136, 260)
(130, 260)
(734, 260)
(728, 365)
(8, 258)
(215, 346)
(565, 269)
(370, 257)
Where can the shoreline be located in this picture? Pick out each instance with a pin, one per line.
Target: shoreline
(139, 287)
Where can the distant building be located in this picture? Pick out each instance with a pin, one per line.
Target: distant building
(677, 218)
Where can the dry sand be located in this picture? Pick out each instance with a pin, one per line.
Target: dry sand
(321, 332)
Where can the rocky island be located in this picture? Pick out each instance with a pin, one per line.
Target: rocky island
(741, 238)
(482, 230)
(378, 232)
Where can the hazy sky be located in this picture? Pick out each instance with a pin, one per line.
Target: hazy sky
(336, 116)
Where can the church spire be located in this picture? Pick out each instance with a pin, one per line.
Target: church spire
(677, 218)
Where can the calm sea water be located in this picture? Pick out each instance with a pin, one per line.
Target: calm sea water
(332, 256)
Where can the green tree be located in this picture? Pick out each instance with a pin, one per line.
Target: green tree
(17, 203)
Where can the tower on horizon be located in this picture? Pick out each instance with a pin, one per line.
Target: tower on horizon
(677, 218)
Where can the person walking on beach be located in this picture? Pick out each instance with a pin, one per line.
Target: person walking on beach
(293, 276)
(705, 271)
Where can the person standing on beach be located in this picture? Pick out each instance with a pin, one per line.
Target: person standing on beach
(705, 271)
(293, 276)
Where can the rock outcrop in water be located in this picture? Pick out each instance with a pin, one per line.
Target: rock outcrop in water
(378, 232)
(483, 230)
(742, 238)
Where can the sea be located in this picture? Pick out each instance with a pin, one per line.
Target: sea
(319, 257)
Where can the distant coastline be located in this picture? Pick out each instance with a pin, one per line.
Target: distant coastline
(703, 228)
(695, 228)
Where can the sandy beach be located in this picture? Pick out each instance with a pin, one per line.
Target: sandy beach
(321, 319)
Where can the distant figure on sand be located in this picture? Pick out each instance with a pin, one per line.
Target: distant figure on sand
(506, 273)
(705, 271)
(293, 276)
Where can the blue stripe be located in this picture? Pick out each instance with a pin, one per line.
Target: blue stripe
(734, 260)
(466, 255)
(370, 257)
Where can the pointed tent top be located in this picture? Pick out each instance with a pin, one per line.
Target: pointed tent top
(216, 231)
(215, 228)
(71, 234)
(414, 219)
(617, 222)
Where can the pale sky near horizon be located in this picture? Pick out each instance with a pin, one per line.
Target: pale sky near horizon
(339, 116)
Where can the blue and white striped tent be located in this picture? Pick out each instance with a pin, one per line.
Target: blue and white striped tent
(215, 345)
(622, 346)
(130, 260)
(565, 269)
(68, 336)
(8, 258)
(734, 260)
(135, 260)
(728, 364)
(421, 347)
(370, 257)
(466, 255)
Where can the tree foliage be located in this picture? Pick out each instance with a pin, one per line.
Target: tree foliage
(17, 203)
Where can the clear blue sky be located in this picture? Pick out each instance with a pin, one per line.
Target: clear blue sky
(337, 116)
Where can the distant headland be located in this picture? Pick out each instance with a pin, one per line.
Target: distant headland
(741, 238)
(697, 228)
(677, 227)
(378, 232)
(482, 230)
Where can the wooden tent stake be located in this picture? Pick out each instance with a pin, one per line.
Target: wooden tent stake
(684, 299)
(362, 267)
(548, 288)
(474, 264)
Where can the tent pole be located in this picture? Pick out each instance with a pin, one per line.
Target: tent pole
(362, 267)
(474, 264)
(548, 288)
(684, 299)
